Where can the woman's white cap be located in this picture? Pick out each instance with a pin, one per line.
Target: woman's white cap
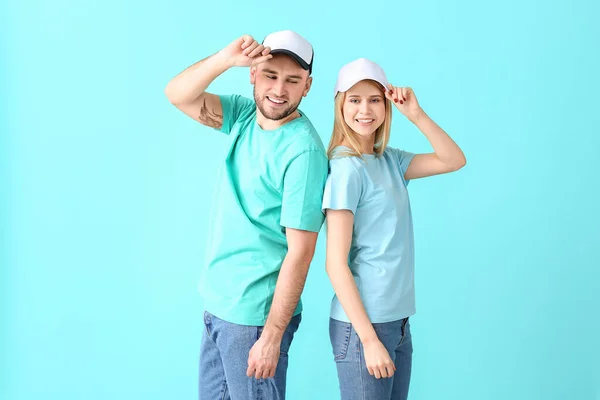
(359, 70)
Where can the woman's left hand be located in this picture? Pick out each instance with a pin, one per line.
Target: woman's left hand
(405, 101)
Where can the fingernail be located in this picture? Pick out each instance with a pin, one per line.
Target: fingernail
(391, 92)
(395, 100)
(401, 102)
(405, 99)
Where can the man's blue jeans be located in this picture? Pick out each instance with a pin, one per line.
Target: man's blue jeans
(224, 361)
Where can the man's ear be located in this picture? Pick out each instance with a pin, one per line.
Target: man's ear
(307, 87)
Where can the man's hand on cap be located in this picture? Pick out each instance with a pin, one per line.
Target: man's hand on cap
(246, 52)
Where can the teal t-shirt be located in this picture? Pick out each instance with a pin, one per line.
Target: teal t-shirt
(381, 256)
(270, 181)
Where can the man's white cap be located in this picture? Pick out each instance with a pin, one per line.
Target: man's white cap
(359, 70)
(292, 44)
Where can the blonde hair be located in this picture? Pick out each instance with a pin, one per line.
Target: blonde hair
(341, 130)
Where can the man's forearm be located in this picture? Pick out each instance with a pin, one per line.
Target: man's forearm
(290, 284)
(194, 80)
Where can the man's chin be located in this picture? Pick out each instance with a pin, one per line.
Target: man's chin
(274, 113)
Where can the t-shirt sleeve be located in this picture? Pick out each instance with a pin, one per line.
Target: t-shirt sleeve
(303, 192)
(233, 107)
(404, 159)
(343, 187)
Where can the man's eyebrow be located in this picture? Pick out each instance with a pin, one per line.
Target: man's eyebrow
(270, 71)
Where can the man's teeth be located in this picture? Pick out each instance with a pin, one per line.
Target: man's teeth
(276, 101)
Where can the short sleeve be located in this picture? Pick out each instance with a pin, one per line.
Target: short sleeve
(404, 159)
(234, 106)
(303, 185)
(343, 187)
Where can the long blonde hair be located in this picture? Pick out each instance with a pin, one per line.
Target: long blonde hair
(341, 130)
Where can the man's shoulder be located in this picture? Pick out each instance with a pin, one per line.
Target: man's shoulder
(304, 137)
(241, 103)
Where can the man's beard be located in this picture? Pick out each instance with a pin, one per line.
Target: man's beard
(274, 115)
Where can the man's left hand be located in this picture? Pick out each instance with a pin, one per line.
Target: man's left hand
(263, 357)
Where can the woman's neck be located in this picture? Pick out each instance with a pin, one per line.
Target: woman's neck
(367, 143)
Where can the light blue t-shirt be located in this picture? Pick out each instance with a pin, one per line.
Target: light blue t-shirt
(381, 255)
(270, 180)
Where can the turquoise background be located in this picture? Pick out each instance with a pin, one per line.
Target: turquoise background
(105, 190)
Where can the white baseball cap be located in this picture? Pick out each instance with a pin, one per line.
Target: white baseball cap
(356, 71)
(292, 44)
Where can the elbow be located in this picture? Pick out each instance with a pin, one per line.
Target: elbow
(328, 267)
(331, 266)
(460, 163)
(303, 255)
(174, 94)
(169, 92)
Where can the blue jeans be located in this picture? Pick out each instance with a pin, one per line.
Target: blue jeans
(224, 361)
(355, 381)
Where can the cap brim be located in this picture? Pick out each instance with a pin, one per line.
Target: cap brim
(345, 87)
(295, 56)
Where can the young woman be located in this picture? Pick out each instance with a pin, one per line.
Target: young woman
(370, 249)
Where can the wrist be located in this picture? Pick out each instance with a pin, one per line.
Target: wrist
(368, 340)
(224, 60)
(272, 334)
(417, 116)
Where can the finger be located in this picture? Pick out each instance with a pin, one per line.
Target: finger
(273, 369)
(251, 47)
(401, 99)
(390, 371)
(250, 371)
(388, 94)
(404, 94)
(259, 372)
(258, 50)
(377, 373)
(266, 51)
(370, 371)
(260, 60)
(384, 372)
(247, 41)
(390, 88)
(266, 373)
(396, 96)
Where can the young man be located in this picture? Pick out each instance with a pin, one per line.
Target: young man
(266, 214)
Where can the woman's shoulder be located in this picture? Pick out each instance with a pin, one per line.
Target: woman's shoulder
(343, 159)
